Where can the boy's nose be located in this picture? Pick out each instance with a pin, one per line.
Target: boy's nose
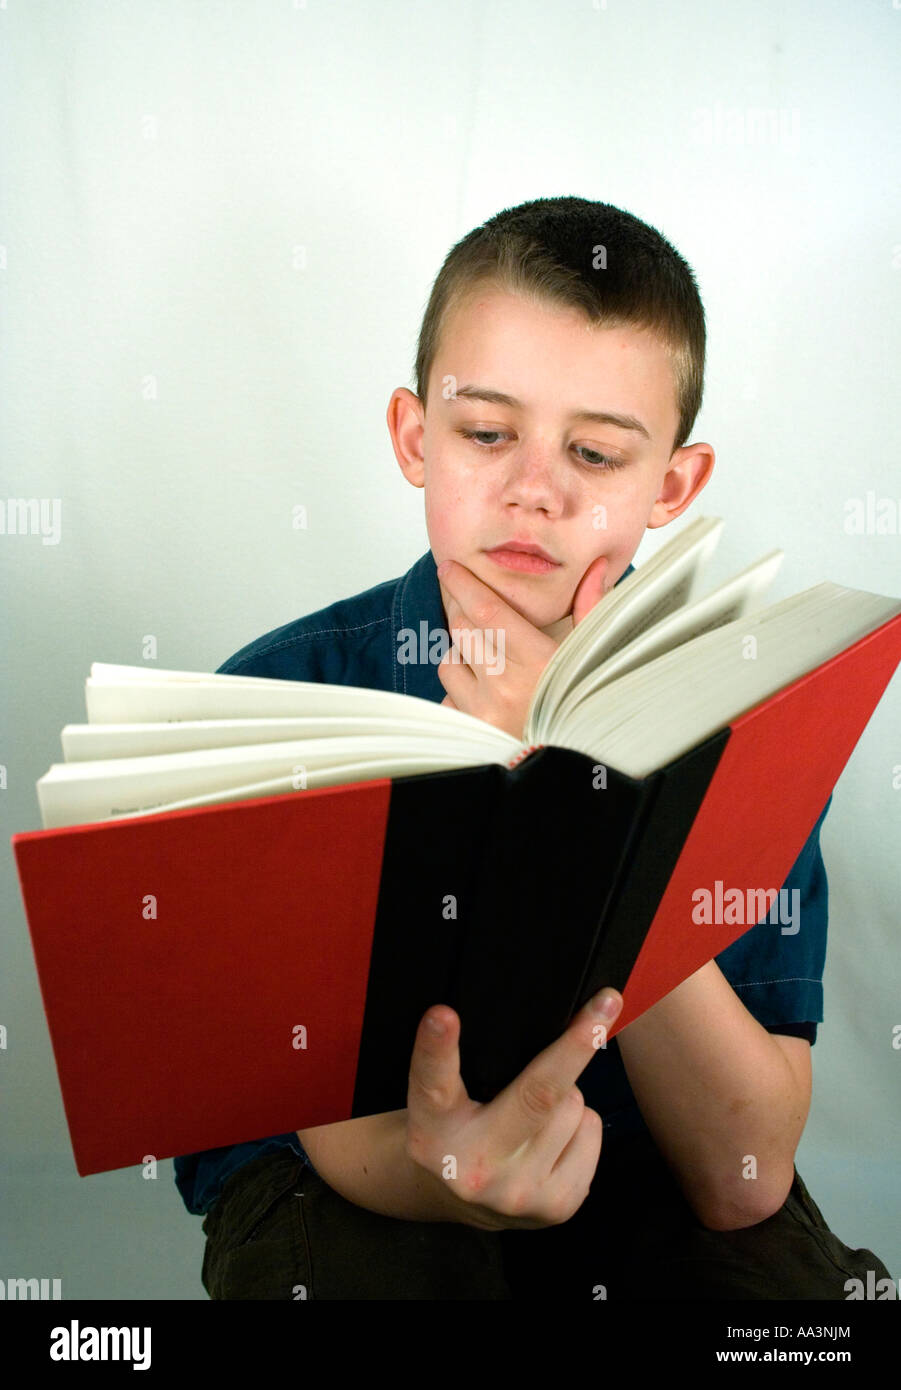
(533, 476)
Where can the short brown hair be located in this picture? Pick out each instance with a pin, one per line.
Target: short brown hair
(551, 249)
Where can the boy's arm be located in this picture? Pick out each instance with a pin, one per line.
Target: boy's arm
(523, 1160)
(715, 1088)
(366, 1162)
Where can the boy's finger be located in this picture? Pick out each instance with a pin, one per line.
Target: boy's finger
(528, 1101)
(592, 588)
(470, 592)
(435, 1085)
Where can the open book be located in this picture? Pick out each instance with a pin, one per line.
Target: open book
(643, 678)
(248, 891)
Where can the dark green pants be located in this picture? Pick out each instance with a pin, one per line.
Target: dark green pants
(278, 1231)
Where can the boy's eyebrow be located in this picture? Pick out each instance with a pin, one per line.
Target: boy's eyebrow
(596, 417)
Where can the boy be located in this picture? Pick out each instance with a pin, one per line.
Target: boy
(559, 374)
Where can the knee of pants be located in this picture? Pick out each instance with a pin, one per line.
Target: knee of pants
(791, 1255)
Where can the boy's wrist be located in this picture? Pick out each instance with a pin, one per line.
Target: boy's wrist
(366, 1162)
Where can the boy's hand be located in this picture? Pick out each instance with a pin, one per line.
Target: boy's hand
(499, 687)
(527, 1158)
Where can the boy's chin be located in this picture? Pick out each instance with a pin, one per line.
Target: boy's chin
(560, 628)
(557, 629)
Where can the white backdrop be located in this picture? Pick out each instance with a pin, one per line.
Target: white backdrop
(220, 224)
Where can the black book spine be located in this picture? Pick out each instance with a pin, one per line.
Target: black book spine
(657, 840)
(562, 832)
(514, 895)
(439, 827)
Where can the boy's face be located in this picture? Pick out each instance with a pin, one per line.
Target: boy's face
(535, 471)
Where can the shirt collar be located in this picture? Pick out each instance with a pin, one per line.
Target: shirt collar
(417, 606)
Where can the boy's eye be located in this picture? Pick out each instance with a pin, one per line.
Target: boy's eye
(603, 460)
(597, 462)
(477, 434)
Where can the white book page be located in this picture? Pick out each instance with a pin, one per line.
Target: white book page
(661, 585)
(664, 708)
(726, 604)
(149, 700)
(110, 673)
(81, 792)
(87, 742)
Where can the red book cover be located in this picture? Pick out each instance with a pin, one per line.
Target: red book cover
(775, 775)
(178, 957)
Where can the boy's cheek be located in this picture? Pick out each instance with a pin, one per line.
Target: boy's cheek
(620, 550)
(448, 531)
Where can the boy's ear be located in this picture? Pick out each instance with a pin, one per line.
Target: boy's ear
(406, 424)
(688, 472)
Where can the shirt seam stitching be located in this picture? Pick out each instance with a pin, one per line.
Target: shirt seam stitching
(781, 980)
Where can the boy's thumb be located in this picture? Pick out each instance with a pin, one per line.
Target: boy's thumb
(434, 1081)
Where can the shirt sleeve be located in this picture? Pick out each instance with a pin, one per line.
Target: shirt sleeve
(776, 968)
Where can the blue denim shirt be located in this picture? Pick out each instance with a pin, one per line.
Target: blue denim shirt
(777, 976)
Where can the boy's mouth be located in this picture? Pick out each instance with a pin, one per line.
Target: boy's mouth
(523, 556)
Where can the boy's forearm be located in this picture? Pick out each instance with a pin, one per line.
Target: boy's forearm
(714, 1087)
(365, 1160)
